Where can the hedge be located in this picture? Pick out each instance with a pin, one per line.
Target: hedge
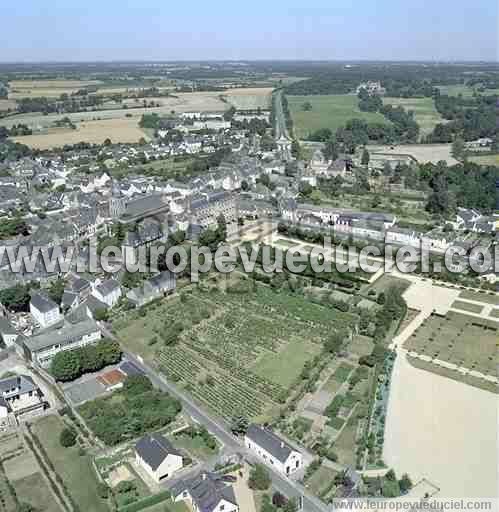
(149, 501)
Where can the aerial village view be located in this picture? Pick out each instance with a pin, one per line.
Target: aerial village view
(249, 260)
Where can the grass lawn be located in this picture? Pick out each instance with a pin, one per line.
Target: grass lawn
(466, 306)
(321, 480)
(34, 491)
(168, 506)
(295, 354)
(485, 159)
(287, 243)
(361, 345)
(480, 297)
(425, 113)
(328, 111)
(76, 471)
(194, 446)
(456, 90)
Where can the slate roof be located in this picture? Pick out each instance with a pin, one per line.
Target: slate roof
(64, 336)
(18, 384)
(130, 369)
(270, 442)
(107, 287)
(43, 303)
(206, 490)
(154, 449)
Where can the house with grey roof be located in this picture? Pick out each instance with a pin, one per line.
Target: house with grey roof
(273, 450)
(44, 310)
(154, 288)
(42, 348)
(206, 492)
(21, 395)
(108, 292)
(156, 455)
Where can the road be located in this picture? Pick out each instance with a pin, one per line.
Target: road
(281, 132)
(219, 428)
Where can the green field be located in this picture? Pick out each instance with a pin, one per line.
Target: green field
(467, 306)
(464, 90)
(485, 159)
(75, 470)
(480, 297)
(330, 111)
(425, 113)
(238, 352)
(459, 339)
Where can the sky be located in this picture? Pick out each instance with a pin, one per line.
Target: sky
(73, 30)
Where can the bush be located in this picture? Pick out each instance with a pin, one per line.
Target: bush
(259, 478)
(67, 437)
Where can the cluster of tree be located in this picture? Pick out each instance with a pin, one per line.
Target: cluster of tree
(369, 102)
(253, 126)
(65, 122)
(470, 118)
(287, 113)
(63, 104)
(278, 503)
(151, 121)
(16, 130)
(203, 164)
(12, 227)
(467, 184)
(212, 237)
(142, 409)
(71, 364)
(67, 437)
(259, 478)
(13, 150)
(17, 297)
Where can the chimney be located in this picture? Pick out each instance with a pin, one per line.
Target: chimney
(203, 476)
(282, 444)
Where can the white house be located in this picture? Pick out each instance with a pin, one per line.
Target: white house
(44, 310)
(108, 292)
(157, 456)
(206, 492)
(19, 395)
(272, 449)
(403, 236)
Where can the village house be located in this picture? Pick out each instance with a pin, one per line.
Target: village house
(20, 395)
(44, 310)
(108, 292)
(272, 449)
(206, 492)
(157, 457)
(153, 288)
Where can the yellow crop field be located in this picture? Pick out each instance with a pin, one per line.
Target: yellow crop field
(94, 132)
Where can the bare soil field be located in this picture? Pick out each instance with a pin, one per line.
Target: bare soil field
(7, 105)
(249, 98)
(182, 102)
(431, 432)
(423, 153)
(94, 132)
